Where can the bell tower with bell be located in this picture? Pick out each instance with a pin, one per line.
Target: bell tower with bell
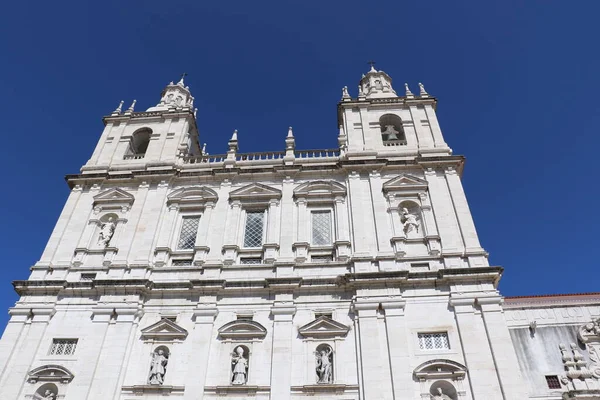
(379, 122)
(156, 138)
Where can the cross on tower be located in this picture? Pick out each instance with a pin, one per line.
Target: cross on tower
(183, 75)
(371, 63)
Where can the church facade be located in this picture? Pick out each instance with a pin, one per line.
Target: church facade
(347, 273)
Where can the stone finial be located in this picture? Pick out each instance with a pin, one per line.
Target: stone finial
(342, 139)
(290, 132)
(131, 107)
(181, 83)
(422, 91)
(361, 94)
(195, 112)
(409, 94)
(203, 152)
(118, 109)
(233, 142)
(290, 143)
(345, 94)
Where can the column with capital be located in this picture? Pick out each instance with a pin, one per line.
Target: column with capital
(302, 241)
(230, 246)
(383, 229)
(201, 249)
(483, 378)
(342, 239)
(373, 365)
(430, 228)
(200, 338)
(283, 311)
(503, 350)
(163, 245)
(271, 247)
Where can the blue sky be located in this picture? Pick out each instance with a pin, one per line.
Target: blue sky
(517, 84)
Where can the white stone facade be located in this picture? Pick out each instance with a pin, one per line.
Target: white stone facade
(348, 273)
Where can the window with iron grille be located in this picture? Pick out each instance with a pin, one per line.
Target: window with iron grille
(321, 228)
(181, 263)
(88, 276)
(253, 233)
(434, 341)
(251, 260)
(321, 258)
(187, 236)
(63, 347)
(553, 382)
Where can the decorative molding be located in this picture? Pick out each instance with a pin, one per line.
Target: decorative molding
(50, 373)
(440, 369)
(405, 183)
(324, 327)
(242, 330)
(255, 192)
(189, 197)
(319, 191)
(113, 199)
(164, 330)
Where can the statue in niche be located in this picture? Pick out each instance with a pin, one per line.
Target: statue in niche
(106, 232)
(390, 132)
(158, 367)
(324, 365)
(378, 85)
(240, 367)
(178, 101)
(48, 395)
(440, 395)
(170, 98)
(410, 222)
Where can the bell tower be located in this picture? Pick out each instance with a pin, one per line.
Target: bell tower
(156, 138)
(379, 122)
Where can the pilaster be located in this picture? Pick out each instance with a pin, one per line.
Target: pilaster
(281, 359)
(398, 346)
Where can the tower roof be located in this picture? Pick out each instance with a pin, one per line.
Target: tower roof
(377, 84)
(175, 95)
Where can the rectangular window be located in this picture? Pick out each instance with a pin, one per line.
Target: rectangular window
(253, 233)
(321, 228)
(187, 236)
(88, 276)
(63, 347)
(181, 263)
(553, 382)
(434, 341)
(321, 258)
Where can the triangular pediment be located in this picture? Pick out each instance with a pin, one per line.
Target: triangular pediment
(404, 183)
(242, 329)
(164, 330)
(325, 189)
(50, 373)
(192, 195)
(255, 191)
(113, 197)
(324, 327)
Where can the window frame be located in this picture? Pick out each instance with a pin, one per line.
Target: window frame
(57, 339)
(179, 225)
(322, 210)
(434, 349)
(265, 219)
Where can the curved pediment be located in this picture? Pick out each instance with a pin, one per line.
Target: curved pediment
(405, 183)
(242, 329)
(324, 327)
(191, 196)
(320, 189)
(255, 192)
(50, 373)
(440, 368)
(164, 330)
(113, 198)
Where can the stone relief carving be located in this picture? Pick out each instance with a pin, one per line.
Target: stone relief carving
(158, 367)
(239, 367)
(410, 222)
(440, 395)
(324, 368)
(590, 335)
(106, 232)
(578, 375)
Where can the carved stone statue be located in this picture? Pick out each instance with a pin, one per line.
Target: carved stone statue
(391, 132)
(240, 367)
(324, 366)
(158, 368)
(440, 395)
(106, 232)
(48, 395)
(410, 222)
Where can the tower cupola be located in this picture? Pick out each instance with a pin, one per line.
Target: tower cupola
(377, 84)
(175, 96)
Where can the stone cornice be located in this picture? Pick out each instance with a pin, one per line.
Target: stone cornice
(267, 285)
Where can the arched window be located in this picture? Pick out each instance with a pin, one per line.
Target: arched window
(392, 132)
(138, 144)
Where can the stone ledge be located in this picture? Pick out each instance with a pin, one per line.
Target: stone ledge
(333, 388)
(153, 389)
(238, 389)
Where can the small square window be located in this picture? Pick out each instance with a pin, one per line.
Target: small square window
(182, 263)
(251, 260)
(88, 276)
(434, 341)
(553, 382)
(63, 347)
